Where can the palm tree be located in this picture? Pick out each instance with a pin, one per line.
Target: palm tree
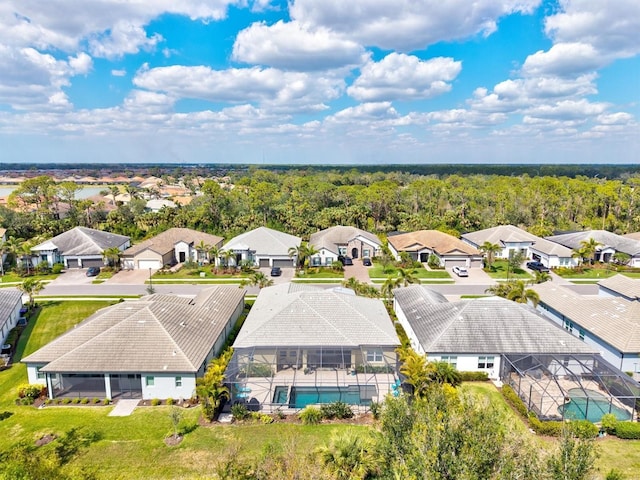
(520, 294)
(386, 290)
(25, 255)
(590, 248)
(500, 289)
(13, 246)
(31, 287)
(406, 277)
(541, 277)
(210, 388)
(112, 257)
(348, 456)
(416, 369)
(213, 253)
(444, 372)
(257, 279)
(580, 255)
(228, 255)
(202, 249)
(490, 250)
(303, 253)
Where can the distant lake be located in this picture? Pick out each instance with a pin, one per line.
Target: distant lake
(85, 192)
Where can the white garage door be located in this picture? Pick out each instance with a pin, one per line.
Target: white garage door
(147, 264)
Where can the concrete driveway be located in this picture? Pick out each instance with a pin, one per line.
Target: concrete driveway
(357, 271)
(75, 276)
(287, 275)
(477, 276)
(130, 277)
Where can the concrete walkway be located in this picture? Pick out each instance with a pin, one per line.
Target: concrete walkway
(124, 408)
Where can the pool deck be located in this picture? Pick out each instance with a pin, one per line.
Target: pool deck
(259, 391)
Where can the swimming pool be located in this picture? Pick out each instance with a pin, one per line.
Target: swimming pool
(590, 405)
(300, 397)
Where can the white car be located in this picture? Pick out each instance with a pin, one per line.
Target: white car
(460, 271)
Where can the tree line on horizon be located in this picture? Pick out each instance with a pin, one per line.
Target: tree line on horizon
(302, 201)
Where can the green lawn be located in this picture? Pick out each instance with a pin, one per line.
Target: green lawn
(378, 271)
(10, 277)
(319, 273)
(185, 273)
(631, 274)
(587, 273)
(499, 270)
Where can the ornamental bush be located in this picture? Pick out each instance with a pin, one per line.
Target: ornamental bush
(516, 402)
(474, 376)
(609, 422)
(628, 430)
(310, 415)
(336, 410)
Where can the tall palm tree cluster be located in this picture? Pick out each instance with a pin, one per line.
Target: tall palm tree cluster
(516, 291)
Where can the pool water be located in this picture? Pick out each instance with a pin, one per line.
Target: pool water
(280, 394)
(590, 406)
(303, 396)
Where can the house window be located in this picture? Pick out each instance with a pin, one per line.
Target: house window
(581, 334)
(568, 325)
(149, 381)
(374, 355)
(40, 375)
(366, 252)
(450, 359)
(485, 362)
(178, 382)
(342, 250)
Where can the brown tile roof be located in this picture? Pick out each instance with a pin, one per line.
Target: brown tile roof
(439, 242)
(165, 242)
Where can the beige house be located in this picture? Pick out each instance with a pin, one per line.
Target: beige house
(449, 250)
(176, 245)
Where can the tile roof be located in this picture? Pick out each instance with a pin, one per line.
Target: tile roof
(608, 239)
(329, 238)
(548, 247)
(615, 320)
(264, 241)
(293, 315)
(633, 236)
(439, 242)
(483, 325)
(82, 241)
(165, 242)
(623, 285)
(158, 333)
(9, 298)
(500, 235)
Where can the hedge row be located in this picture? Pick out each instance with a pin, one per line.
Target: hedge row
(474, 376)
(628, 430)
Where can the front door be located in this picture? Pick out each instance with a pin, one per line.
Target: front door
(182, 256)
(354, 252)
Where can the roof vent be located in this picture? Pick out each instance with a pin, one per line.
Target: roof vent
(141, 321)
(174, 353)
(183, 324)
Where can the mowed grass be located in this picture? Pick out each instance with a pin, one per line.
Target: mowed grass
(378, 271)
(500, 270)
(587, 273)
(133, 448)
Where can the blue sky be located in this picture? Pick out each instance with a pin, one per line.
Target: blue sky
(320, 81)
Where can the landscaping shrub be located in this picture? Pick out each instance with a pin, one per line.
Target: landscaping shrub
(376, 409)
(516, 402)
(310, 415)
(609, 422)
(29, 392)
(106, 401)
(96, 401)
(583, 429)
(239, 412)
(84, 401)
(76, 400)
(155, 402)
(336, 410)
(628, 430)
(474, 376)
(66, 401)
(374, 368)
(261, 417)
(257, 370)
(614, 474)
(169, 401)
(57, 268)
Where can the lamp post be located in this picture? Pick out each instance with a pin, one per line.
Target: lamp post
(150, 289)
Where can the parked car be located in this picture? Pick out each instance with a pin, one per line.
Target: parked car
(346, 261)
(276, 271)
(93, 271)
(539, 266)
(366, 262)
(460, 271)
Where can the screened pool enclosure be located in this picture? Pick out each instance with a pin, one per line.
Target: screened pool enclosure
(284, 378)
(579, 386)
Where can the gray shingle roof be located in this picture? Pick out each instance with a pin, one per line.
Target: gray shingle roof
(500, 234)
(265, 241)
(617, 242)
(483, 325)
(329, 238)
(83, 241)
(9, 299)
(548, 247)
(155, 334)
(166, 241)
(613, 319)
(291, 315)
(623, 285)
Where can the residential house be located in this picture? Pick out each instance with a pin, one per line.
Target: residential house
(512, 239)
(158, 204)
(620, 286)
(264, 247)
(546, 366)
(80, 247)
(611, 325)
(449, 250)
(303, 344)
(345, 241)
(10, 305)
(155, 347)
(475, 335)
(609, 244)
(176, 245)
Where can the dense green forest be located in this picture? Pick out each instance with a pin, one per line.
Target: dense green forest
(301, 201)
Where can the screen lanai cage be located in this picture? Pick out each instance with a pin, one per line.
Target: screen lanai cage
(289, 378)
(579, 386)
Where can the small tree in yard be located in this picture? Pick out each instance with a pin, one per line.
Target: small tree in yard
(175, 416)
(210, 389)
(31, 287)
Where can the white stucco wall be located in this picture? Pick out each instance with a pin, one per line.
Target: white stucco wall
(326, 257)
(10, 322)
(164, 386)
(469, 362)
(189, 253)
